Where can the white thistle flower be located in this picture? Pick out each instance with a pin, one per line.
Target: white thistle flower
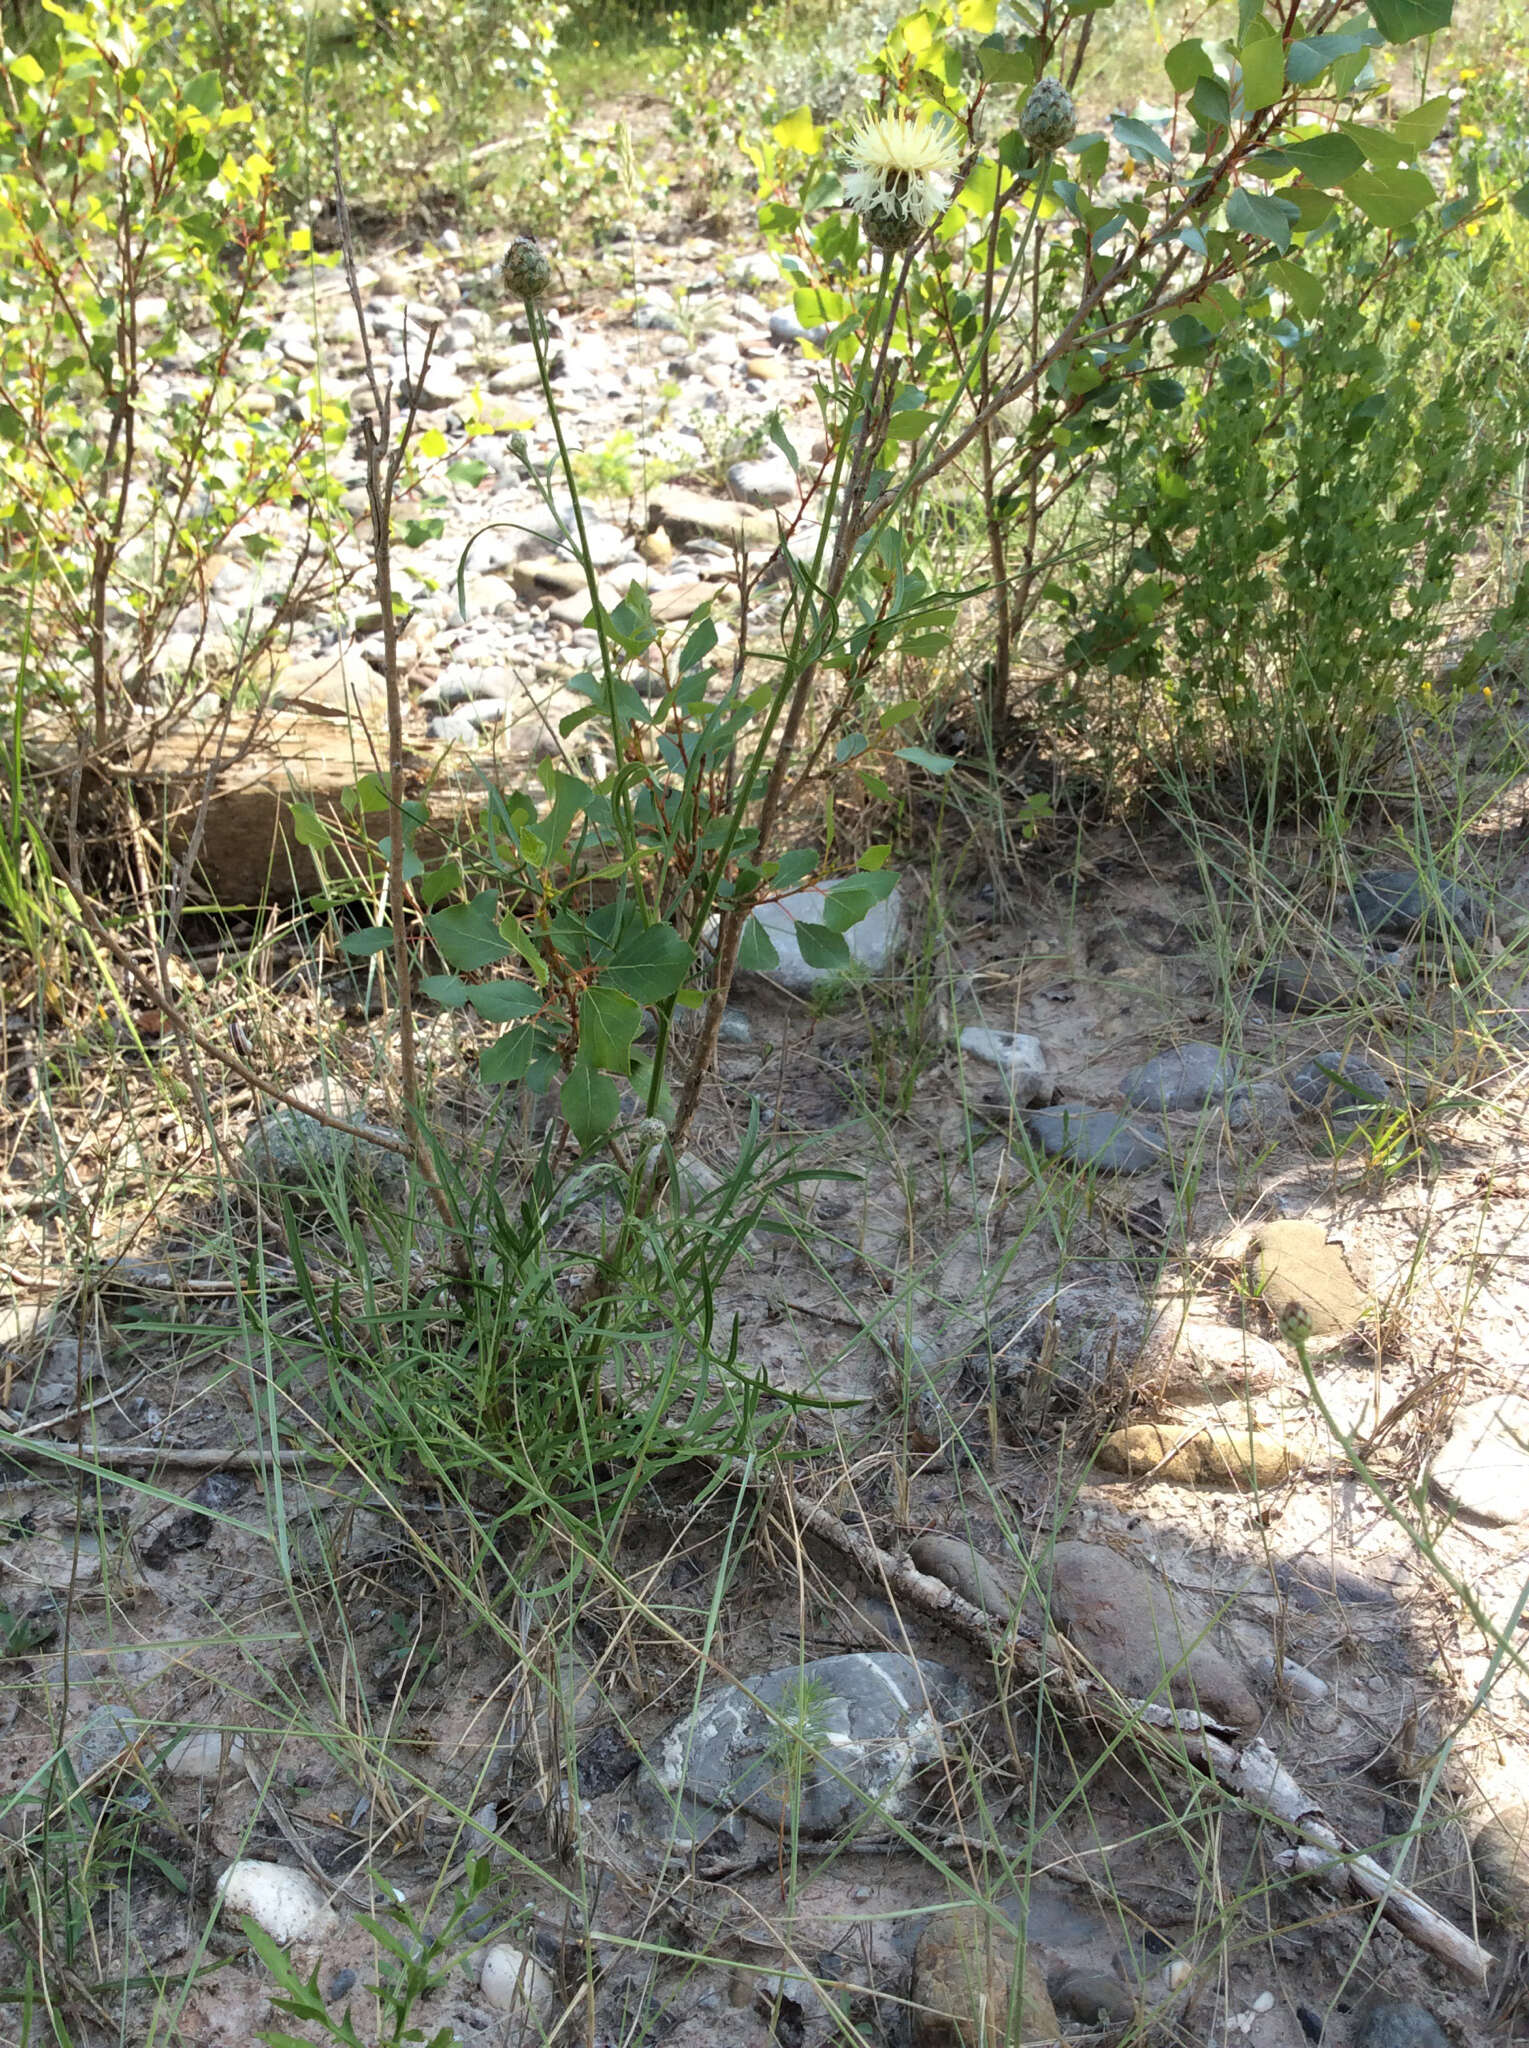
(900, 167)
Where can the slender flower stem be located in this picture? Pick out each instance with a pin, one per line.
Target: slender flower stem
(801, 660)
(623, 801)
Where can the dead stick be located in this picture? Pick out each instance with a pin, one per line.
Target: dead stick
(1251, 1773)
(130, 1457)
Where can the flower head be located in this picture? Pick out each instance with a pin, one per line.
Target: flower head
(525, 269)
(900, 166)
(1047, 120)
(1296, 1325)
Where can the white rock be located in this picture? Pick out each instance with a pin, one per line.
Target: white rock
(768, 480)
(872, 943)
(283, 1901)
(1017, 1056)
(607, 542)
(1483, 1470)
(1211, 1353)
(1264, 2002)
(512, 1981)
(757, 268)
(200, 1755)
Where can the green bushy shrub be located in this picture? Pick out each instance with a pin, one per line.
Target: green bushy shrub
(409, 87)
(137, 226)
(1287, 503)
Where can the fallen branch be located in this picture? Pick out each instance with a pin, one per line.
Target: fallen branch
(1250, 1771)
(134, 1457)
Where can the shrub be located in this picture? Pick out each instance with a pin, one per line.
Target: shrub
(136, 225)
(1286, 510)
(408, 89)
(1154, 339)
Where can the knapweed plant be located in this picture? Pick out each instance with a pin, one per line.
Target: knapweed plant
(988, 287)
(1083, 278)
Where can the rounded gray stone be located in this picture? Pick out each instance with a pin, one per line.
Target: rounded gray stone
(1396, 2023)
(1399, 903)
(458, 688)
(769, 480)
(1299, 988)
(785, 327)
(1019, 1057)
(812, 1748)
(294, 1151)
(873, 943)
(1083, 1335)
(1187, 1077)
(1092, 1997)
(439, 389)
(1097, 1137)
(469, 721)
(1339, 1085)
(103, 1736)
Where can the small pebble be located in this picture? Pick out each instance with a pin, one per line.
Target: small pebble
(1294, 1678)
(1093, 1998)
(1264, 2002)
(1016, 1054)
(512, 1981)
(283, 1901)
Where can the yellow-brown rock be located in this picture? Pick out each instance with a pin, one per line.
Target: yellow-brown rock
(965, 1993)
(1217, 1455)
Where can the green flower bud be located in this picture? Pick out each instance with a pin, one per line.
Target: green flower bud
(887, 229)
(525, 270)
(1295, 1325)
(1048, 121)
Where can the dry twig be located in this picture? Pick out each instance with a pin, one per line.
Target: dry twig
(1250, 1771)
